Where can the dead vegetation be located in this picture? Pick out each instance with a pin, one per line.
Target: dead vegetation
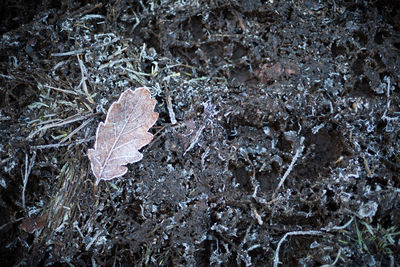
(277, 139)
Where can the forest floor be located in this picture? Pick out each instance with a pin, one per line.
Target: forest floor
(277, 139)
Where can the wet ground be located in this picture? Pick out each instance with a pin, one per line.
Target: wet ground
(277, 140)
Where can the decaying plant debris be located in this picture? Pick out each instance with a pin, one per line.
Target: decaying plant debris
(123, 133)
(277, 138)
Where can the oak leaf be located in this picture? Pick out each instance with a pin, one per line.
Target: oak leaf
(123, 133)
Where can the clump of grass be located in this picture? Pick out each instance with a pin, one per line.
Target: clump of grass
(371, 239)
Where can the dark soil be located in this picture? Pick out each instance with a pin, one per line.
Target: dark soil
(285, 147)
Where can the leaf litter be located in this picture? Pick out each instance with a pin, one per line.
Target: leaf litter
(271, 73)
(123, 133)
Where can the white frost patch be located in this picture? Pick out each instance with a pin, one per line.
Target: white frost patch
(3, 183)
(368, 210)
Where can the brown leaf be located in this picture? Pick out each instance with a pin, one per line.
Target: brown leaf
(123, 133)
(270, 72)
(30, 224)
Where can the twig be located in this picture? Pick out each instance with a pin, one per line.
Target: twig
(28, 169)
(276, 258)
(244, 256)
(169, 106)
(170, 110)
(367, 167)
(112, 63)
(61, 90)
(92, 16)
(195, 139)
(48, 146)
(203, 158)
(84, 78)
(296, 156)
(98, 233)
(69, 53)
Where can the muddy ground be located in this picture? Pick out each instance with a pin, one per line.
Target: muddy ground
(277, 139)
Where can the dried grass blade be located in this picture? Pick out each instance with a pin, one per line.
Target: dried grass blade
(71, 119)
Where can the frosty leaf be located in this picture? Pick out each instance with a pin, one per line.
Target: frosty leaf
(123, 133)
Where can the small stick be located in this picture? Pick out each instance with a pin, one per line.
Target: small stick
(169, 106)
(276, 258)
(171, 111)
(367, 167)
(48, 146)
(28, 169)
(83, 81)
(296, 156)
(61, 90)
(69, 53)
(195, 139)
